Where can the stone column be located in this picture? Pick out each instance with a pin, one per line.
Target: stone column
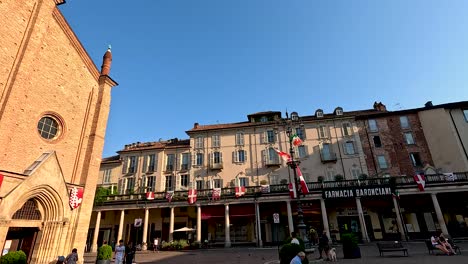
(94, 246)
(199, 238)
(3, 232)
(398, 218)
(121, 224)
(290, 219)
(145, 230)
(440, 216)
(171, 225)
(227, 227)
(259, 226)
(362, 221)
(326, 226)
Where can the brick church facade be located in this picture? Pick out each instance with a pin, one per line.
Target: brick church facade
(54, 105)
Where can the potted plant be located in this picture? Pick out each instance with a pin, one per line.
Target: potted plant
(13, 257)
(363, 177)
(350, 246)
(339, 177)
(104, 254)
(289, 251)
(320, 179)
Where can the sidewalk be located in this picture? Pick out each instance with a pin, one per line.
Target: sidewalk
(418, 254)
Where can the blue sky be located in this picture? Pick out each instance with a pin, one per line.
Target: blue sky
(178, 62)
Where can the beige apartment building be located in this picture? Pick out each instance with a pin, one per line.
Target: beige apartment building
(446, 132)
(348, 193)
(54, 105)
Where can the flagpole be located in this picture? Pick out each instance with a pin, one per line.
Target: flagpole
(288, 124)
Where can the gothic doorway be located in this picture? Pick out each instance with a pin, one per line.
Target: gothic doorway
(23, 229)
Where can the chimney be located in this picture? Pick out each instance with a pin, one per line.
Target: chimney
(195, 125)
(428, 104)
(380, 107)
(106, 62)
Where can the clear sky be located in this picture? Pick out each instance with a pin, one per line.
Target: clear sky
(178, 62)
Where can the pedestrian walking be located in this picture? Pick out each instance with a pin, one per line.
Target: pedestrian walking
(119, 252)
(156, 245)
(72, 258)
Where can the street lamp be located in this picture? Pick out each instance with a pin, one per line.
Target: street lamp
(290, 124)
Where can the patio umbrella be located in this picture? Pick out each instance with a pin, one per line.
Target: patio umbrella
(184, 229)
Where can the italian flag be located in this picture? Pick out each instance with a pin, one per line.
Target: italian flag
(304, 188)
(297, 141)
(285, 156)
(292, 190)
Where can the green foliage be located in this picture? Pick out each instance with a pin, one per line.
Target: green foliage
(166, 245)
(339, 177)
(301, 242)
(101, 194)
(104, 252)
(263, 182)
(284, 181)
(320, 179)
(349, 240)
(289, 251)
(14, 257)
(362, 177)
(175, 245)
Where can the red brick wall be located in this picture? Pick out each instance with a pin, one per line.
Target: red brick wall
(42, 72)
(394, 147)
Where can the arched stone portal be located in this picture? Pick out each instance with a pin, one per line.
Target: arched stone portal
(35, 221)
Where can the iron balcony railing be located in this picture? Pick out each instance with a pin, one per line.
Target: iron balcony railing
(399, 182)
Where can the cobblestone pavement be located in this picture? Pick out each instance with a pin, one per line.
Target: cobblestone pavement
(370, 254)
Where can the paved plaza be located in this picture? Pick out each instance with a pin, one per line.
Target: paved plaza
(417, 254)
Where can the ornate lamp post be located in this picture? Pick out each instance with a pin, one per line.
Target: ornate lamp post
(290, 124)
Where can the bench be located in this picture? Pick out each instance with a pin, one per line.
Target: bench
(392, 246)
(431, 248)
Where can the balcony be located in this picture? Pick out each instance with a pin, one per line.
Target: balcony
(327, 157)
(216, 166)
(272, 162)
(282, 190)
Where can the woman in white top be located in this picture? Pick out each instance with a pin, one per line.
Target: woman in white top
(156, 244)
(436, 243)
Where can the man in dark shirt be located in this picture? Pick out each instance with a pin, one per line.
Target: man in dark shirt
(323, 245)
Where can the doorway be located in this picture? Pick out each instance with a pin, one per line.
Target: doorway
(21, 238)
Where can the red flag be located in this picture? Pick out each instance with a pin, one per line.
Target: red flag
(304, 188)
(292, 190)
(216, 194)
(421, 181)
(169, 195)
(285, 156)
(240, 191)
(150, 196)
(76, 197)
(296, 141)
(192, 196)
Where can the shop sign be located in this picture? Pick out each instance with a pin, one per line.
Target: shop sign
(350, 192)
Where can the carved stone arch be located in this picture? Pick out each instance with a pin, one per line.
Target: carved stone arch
(49, 202)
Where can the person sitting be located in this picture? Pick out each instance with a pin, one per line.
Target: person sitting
(437, 244)
(298, 258)
(444, 242)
